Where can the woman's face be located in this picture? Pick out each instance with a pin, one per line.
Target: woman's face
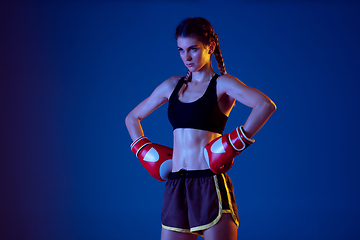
(194, 53)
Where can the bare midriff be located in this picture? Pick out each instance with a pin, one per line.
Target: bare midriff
(188, 149)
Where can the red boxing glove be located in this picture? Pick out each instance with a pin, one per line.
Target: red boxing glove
(220, 152)
(156, 158)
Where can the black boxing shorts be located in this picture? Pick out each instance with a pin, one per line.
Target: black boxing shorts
(195, 200)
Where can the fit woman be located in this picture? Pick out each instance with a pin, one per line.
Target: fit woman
(199, 197)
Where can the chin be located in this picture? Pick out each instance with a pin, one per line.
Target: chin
(192, 69)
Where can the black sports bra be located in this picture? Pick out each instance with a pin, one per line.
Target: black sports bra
(203, 113)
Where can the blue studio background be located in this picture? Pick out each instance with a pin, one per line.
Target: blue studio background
(72, 70)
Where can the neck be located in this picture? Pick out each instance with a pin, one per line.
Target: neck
(203, 75)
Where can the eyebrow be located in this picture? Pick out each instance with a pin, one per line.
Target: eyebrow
(192, 46)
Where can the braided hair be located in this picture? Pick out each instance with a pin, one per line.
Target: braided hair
(201, 29)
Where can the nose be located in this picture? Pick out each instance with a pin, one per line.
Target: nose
(187, 56)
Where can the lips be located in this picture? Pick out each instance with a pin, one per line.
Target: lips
(189, 64)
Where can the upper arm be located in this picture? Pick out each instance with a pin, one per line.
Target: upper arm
(237, 90)
(158, 97)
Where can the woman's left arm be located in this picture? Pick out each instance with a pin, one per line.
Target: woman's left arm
(262, 106)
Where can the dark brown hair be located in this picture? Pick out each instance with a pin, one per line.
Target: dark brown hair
(201, 29)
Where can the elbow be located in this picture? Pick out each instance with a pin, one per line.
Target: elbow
(127, 120)
(272, 106)
(130, 119)
(268, 106)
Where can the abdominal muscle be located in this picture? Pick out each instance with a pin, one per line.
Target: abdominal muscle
(188, 149)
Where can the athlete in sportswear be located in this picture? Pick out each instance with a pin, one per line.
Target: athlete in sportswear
(199, 198)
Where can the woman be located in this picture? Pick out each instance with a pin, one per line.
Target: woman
(199, 198)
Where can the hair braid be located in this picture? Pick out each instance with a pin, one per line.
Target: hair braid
(218, 55)
(187, 79)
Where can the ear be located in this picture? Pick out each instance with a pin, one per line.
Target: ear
(212, 47)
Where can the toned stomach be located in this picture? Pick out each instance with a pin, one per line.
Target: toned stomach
(188, 149)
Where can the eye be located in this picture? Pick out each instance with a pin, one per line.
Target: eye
(193, 49)
(180, 49)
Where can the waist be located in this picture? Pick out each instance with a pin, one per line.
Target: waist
(193, 138)
(188, 149)
(191, 174)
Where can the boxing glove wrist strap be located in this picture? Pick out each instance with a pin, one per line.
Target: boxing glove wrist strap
(238, 140)
(139, 144)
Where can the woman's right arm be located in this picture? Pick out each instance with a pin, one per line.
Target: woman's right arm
(158, 97)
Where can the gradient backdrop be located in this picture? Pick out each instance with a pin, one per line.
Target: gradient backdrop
(72, 70)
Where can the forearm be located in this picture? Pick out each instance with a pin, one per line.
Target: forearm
(258, 117)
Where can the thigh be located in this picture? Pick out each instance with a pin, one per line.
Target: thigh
(172, 235)
(225, 229)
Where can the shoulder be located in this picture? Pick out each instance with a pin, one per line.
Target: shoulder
(226, 78)
(170, 83)
(227, 81)
(167, 87)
